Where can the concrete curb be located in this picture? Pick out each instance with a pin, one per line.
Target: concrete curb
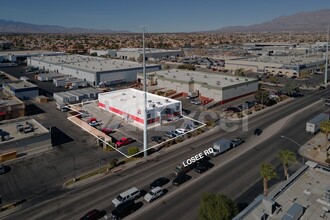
(29, 154)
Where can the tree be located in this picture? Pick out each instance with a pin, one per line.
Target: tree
(268, 173)
(132, 150)
(239, 72)
(287, 157)
(291, 88)
(217, 207)
(274, 80)
(325, 128)
(262, 96)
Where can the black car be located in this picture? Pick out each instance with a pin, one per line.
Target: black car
(236, 142)
(182, 178)
(159, 182)
(258, 131)
(202, 167)
(322, 88)
(93, 215)
(157, 139)
(123, 210)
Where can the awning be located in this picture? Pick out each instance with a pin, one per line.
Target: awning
(3, 113)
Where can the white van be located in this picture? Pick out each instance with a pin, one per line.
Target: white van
(130, 194)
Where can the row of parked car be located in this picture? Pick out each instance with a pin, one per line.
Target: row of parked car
(175, 133)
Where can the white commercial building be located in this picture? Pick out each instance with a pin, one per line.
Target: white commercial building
(218, 88)
(93, 70)
(150, 53)
(129, 104)
(106, 53)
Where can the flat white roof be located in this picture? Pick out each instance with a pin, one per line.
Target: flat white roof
(133, 98)
(27, 52)
(21, 84)
(90, 63)
(148, 50)
(210, 79)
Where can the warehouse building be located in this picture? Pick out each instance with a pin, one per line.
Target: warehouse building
(23, 134)
(150, 53)
(46, 77)
(11, 107)
(129, 104)
(105, 53)
(218, 88)
(22, 55)
(305, 195)
(278, 65)
(93, 70)
(75, 96)
(21, 89)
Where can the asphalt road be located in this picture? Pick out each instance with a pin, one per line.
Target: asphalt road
(236, 177)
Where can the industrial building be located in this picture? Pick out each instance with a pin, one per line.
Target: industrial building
(150, 53)
(106, 53)
(75, 96)
(93, 70)
(218, 88)
(305, 195)
(23, 134)
(129, 104)
(11, 107)
(278, 65)
(46, 77)
(22, 55)
(21, 89)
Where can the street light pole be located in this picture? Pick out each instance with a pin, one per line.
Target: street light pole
(74, 168)
(303, 151)
(99, 160)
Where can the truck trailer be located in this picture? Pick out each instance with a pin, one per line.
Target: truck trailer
(313, 125)
(220, 146)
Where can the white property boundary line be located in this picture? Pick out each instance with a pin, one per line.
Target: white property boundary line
(116, 149)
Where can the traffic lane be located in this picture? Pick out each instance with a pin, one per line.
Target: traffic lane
(171, 161)
(229, 178)
(97, 202)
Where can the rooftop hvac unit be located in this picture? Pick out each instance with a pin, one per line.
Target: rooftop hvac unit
(174, 76)
(225, 78)
(231, 80)
(246, 80)
(188, 74)
(218, 82)
(117, 67)
(327, 194)
(191, 78)
(237, 78)
(205, 76)
(93, 67)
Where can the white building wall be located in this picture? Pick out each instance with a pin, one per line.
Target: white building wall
(240, 90)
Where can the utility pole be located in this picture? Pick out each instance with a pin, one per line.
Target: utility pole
(145, 136)
(326, 59)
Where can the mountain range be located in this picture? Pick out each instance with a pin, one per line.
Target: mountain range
(300, 22)
(9, 26)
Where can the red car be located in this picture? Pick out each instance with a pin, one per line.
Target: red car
(124, 141)
(107, 130)
(91, 120)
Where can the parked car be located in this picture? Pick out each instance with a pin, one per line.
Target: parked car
(180, 130)
(89, 120)
(154, 194)
(123, 210)
(124, 141)
(106, 130)
(182, 178)
(236, 142)
(159, 182)
(258, 131)
(157, 139)
(170, 134)
(93, 215)
(322, 88)
(93, 123)
(188, 127)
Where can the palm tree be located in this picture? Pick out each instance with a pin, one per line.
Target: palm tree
(286, 157)
(325, 128)
(268, 173)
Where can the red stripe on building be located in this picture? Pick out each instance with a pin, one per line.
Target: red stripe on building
(101, 105)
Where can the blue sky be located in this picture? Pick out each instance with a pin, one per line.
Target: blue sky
(159, 15)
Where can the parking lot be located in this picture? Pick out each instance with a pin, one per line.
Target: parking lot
(117, 128)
